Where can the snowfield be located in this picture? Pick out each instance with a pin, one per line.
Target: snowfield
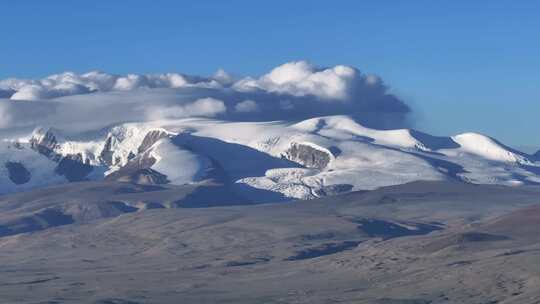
(278, 160)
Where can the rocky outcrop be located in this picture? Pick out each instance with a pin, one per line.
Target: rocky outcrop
(150, 139)
(138, 170)
(308, 155)
(72, 166)
(537, 155)
(45, 142)
(74, 170)
(333, 190)
(106, 155)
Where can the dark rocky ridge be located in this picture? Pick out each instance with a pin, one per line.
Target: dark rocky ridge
(333, 189)
(106, 155)
(138, 170)
(150, 139)
(307, 156)
(73, 167)
(45, 144)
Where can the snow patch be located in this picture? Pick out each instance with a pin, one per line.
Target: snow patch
(488, 148)
(179, 165)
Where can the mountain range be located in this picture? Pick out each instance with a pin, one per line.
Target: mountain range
(304, 185)
(259, 161)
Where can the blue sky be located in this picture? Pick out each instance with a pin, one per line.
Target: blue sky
(462, 65)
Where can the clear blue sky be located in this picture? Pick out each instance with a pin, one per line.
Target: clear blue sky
(463, 65)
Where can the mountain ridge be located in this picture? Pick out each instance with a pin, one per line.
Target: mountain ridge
(296, 160)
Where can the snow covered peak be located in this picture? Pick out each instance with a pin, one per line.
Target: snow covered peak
(488, 148)
(44, 140)
(345, 127)
(278, 159)
(41, 133)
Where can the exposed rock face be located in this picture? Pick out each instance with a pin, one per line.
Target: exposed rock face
(150, 139)
(108, 158)
(74, 170)
(18, 173)
(333, 189)
(45, 142)
(537, 154)
(73, 167)
(106, 155)
(138, 170)
(308, 156)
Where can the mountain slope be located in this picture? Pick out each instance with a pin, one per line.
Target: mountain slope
(264, 161)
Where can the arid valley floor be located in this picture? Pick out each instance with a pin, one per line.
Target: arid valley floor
(423, 242)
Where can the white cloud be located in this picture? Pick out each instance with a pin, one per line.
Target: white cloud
(5, 116)
(294, 78)
(295, 90)
(223, 77)
(246, 106)
(301, 78)
(68, 83)
(134, 81)
(130, 82)
(204, 107)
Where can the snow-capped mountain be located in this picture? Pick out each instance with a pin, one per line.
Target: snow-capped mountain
(277, 160)
(254, 135)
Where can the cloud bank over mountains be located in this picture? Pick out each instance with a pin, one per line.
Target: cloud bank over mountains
(295, 90)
